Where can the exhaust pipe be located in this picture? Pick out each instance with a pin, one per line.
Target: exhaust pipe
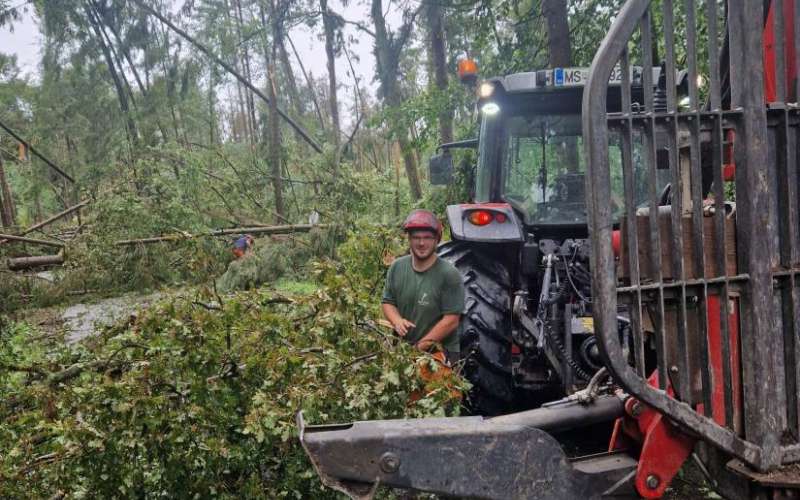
(512, 456)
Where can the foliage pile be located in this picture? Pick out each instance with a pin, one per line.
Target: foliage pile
(197, 394)
(277, 257)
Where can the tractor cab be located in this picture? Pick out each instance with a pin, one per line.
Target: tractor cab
(531, 151)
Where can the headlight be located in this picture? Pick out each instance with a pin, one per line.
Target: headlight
(490, 108)
(485, 90)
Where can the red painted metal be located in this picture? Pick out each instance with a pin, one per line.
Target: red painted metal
(663, 447)
(715, 360)
(616, 242)
(770, 84)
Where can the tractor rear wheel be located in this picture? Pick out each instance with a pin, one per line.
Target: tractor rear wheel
(485, 328)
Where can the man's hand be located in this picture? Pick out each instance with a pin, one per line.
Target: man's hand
(425, 345)
(402, 326)
(399, 323)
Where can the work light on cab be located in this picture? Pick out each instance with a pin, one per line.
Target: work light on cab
(480, 217)
(485, 90)
(467, 71)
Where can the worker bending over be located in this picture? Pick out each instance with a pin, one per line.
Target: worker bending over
(424, 296)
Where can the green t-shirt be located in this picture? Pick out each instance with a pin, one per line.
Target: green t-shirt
(423, 298)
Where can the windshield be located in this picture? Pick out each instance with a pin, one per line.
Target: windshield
(542, 167)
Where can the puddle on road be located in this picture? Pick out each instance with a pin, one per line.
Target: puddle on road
(83, 320)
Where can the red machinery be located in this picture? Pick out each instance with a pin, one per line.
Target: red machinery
(697, 319)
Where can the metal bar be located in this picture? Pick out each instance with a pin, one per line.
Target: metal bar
(696, 184)
(717, 157)
(681, 370)
(631, 237)
(763, 371)
(778, 47)
(566, 369)
(739, 278)
(715, 100)
(650, 160)
(787, 216)
(660, 116)
(720, 252)
(796, 32)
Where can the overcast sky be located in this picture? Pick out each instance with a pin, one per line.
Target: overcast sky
(25, 42)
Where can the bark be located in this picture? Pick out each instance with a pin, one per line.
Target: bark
(7, 212)
(388, 47)
(23, 263)
(555, 13)
(202, 48)
(329, 25)
(438, 56)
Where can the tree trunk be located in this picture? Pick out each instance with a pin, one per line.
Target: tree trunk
(275, 135)
(560, 56)
(245, 55)
(121, 95)
(388, 48)
(212, 119)
(241, 121)
(555, 13)
(438, 57)
(6, 199)
(144, 90)
(410, 162)
(294, 94)
(330, 39)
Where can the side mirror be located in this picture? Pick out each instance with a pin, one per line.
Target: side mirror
(440, 169)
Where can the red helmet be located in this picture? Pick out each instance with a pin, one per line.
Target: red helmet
(423, 219)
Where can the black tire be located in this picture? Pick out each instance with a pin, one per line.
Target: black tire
(485, 328)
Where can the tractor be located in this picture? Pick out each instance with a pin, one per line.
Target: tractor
(522, 245)
(631, 260)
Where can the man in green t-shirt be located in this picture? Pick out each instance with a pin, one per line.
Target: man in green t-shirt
(424, 296)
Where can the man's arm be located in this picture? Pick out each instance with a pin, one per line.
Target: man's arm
(401, 325)
(440, 331)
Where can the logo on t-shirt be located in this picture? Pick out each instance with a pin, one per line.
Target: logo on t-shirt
(423, 301)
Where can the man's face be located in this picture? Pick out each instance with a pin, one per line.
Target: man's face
(422, 243)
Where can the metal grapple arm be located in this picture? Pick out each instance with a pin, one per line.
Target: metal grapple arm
(503, 457)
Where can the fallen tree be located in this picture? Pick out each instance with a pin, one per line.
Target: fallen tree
(284, 229)
(32, 241)
(24, 263)
(50, 220)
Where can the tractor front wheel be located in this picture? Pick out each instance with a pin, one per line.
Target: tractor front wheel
(485, 328)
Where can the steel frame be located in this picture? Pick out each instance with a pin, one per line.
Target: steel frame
(767, 239)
